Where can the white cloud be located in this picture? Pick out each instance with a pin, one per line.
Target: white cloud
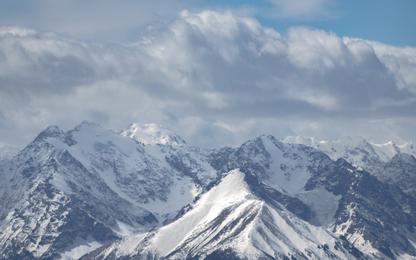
(316, 49)
(401, 61)
(216, 77)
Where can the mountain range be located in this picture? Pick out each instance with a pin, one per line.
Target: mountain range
(145, 193)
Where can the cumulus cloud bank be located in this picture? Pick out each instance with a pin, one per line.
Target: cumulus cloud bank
(215, 77)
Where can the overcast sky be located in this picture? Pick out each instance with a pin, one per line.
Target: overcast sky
(215, 73)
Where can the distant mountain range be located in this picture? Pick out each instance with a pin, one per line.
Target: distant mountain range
(144, 193)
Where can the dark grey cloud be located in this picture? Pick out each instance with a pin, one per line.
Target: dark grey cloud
(216, 77)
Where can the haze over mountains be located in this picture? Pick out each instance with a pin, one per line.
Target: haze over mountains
(143, 192)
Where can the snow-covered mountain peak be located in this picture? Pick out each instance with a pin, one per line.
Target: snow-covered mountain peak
(232, 187)
(231, 191)
(284, 167)
(230, 222)
(152, 134)
(123, 165)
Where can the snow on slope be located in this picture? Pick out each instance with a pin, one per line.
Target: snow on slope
(288, 167)
(102, 177)
(52, 200)
(231, 191)
(330, 189)
(124, 165)
(229, 219)
(389, 162)
(173, 152)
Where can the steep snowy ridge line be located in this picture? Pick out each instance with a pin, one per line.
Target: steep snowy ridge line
(230, 210)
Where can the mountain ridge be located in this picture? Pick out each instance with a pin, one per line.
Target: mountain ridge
(76, 192)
